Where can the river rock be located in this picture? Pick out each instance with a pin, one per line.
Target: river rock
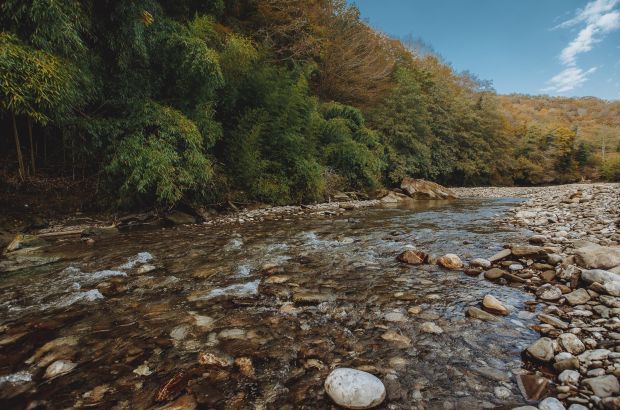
(186, 402)
(494, 273)
(421, 189)
(528, 251)
(603, 386)
(577, 297)
(532, 386)
(502, 392)
(551, 403)
(569, 377)
(612, 288)
(600, 276)
(481, 262)
(542, 349)
(450, 261)
(553, 321)
(413, 257)
(549, 292)
(354, 389)
(476, 313)
(395, 317)
(180, 218)
(393, 336)
(58, 368)
(22, 241)
(214, 359)
(504, 253)
(537, 239)
(598, 257)
(571, 343)
(394, 198)
(491, 304)
(429, 327)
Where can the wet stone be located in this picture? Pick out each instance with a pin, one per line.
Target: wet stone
(354, 389)
(494, 273)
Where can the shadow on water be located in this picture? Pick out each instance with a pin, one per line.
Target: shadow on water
(138, 308)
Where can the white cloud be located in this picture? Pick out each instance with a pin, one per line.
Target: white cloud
(599, 18)
(590, 13)
(569, 79)
(592, 33)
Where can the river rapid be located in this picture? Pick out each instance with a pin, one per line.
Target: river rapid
(254, 316)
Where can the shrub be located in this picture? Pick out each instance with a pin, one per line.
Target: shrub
(161, 160)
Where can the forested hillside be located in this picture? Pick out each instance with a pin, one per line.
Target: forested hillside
(151, 102)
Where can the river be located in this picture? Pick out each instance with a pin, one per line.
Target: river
(278, 304)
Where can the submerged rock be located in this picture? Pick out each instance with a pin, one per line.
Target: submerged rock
(393, 336)
(429, 327)
(58, 368)
(186, 402)
(354, 389)
(476, 313)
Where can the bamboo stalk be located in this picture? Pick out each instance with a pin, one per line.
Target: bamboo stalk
(32, 162)
(20, 159)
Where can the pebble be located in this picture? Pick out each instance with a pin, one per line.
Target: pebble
(354, 389)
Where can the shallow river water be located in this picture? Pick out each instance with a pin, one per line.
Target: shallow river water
(135, 312)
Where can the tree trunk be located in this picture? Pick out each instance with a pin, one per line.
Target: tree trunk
(20, 159)
(32, 162)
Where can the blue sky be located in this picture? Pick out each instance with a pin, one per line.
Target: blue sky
(555, 47)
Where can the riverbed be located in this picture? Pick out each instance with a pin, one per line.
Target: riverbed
(256, 315)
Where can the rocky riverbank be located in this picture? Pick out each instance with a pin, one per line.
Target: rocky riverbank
(572, 265)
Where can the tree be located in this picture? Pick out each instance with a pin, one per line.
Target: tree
(35, 84)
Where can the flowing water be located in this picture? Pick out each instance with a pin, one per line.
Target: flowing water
(135, 311)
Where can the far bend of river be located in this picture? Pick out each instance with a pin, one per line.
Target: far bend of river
(338, 291)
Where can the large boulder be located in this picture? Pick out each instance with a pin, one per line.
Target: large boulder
(354, 389)
(421, 189)
(598, 257)
(394, 198)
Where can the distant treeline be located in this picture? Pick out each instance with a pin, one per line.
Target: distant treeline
(282, 101)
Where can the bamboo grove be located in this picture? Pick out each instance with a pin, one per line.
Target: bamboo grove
(152, 102)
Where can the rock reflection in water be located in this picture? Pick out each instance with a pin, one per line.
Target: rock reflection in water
(256, 316)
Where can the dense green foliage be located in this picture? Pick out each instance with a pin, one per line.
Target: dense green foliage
(160, 101)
